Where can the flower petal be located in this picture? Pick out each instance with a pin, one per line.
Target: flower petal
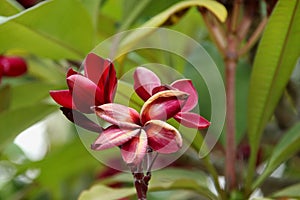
(113, 136)
(192, 120)
(163, 137)
(85, 93)
(161, 88)
(63, 98)
(110, 85)
(135, 149)
(119, 115)
(103, 74)
(144, 82)
(163, 105)
(71, 72)
(81, 120)
(186, 85)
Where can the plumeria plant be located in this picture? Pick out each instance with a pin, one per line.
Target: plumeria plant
(137, 135)
(131, 77)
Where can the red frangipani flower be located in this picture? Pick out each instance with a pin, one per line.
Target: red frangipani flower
(147, 84)
(96, 87)
(134, 133)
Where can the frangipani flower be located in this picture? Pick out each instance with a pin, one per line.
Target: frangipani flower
(96, 87)
(134, 133)
(147, 84)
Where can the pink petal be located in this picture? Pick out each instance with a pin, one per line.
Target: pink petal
(187, 86)
(163, 137)
(135, 149)
(81, 120)
(13, 65)
(144, 82)
(163, 105)
(113, 136)
(192, 120)
(63, 98)
(119, 115)
(85, 93)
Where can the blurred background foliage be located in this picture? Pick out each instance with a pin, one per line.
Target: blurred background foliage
(53, 35)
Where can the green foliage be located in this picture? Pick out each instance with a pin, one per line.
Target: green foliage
(56, 33)
(48, 30)
(275, 59)
(287, 147)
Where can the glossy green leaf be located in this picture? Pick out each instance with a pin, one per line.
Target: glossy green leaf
(12, 122)
(9, 7)
(275, 59)
(93, 9)
(291, 192)
(170, 14)
(104, 192)
(30, 93)
(47, 30)
(5, 97)
(287, 147)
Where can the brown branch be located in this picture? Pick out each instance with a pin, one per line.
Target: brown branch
(235, 16)
(244, 27)
(254, 37)
(215, 30)
(230, 69)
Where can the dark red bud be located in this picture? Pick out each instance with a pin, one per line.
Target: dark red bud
(28, 3)
(12, 66)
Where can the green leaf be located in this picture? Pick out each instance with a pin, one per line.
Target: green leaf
(5, 97)
(170, 14)
(12, 122)
(49, 30)
(274, 62)
(30, 93)
(104, 192)
(287, 147)
(291, 192)
(93, 8)
(9, 7)
(55, 168)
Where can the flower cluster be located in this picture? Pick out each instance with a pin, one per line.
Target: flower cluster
(135, 133)
(12, 66)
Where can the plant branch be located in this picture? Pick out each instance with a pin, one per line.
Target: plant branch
(230, 69)
(235, 16)
(215, 30)
(254, 37)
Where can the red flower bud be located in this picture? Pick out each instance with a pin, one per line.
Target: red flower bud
(28, 3)
(12, 66)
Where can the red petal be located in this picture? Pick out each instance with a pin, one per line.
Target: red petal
(63, 98)
(163, 105)
(113, 136)
(102, 73)
(135, 149)
(144, 82)
(192, 120)
(85, 93)
(13, 66)
(187, 86)
(119, 115)
(110, 85)
(71, 72)
(81, 120)
(163, 137)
